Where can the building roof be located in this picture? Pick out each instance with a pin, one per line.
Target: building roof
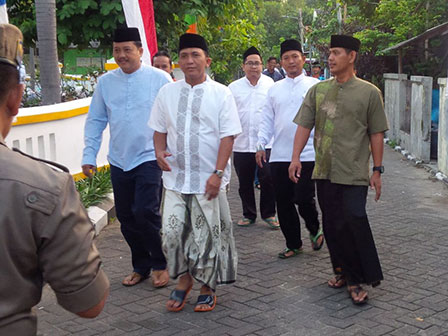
(430, 33)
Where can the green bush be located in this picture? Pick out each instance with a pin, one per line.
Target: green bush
(93, 190)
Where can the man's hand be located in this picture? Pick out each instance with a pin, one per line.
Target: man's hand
(375, 183)
(163, 164)
(294, 170)
(260, 158)
(88, 170)
(212, 187)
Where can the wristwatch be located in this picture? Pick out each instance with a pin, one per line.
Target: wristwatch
(378, 169)
(219, 172)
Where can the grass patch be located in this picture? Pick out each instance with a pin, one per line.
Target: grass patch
(392, 143)
(93, 190)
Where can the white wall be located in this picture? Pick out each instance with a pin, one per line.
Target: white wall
(58, 140)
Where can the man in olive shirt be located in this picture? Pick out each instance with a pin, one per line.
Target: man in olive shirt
(348, 116)
(45, 234)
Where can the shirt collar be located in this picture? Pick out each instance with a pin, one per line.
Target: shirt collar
(207, 79)
(250, 84)
(347, 83)
(135, 73)
(295, 79)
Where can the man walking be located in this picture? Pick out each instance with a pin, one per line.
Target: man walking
(284, 99)
(45, 233)
(250, 94)
(195, 121)
(123, 99)
(348, 117)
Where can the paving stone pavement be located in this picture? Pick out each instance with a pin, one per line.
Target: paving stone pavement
(290, 297)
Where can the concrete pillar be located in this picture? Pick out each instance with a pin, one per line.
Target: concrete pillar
(420, 136)
(394, 101)
(442, 159)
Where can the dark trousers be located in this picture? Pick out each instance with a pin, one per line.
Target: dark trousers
(287, 195)
(245, 165)
(347, 232)
(137, 203)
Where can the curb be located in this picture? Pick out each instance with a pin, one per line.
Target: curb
(429, 167)
(101, 214)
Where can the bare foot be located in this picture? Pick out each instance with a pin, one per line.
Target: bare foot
(160, 278)
(185, 284)
(133, 279)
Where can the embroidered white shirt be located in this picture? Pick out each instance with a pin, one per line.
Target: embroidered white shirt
(250, 100)
(284, 100)
(195, 120)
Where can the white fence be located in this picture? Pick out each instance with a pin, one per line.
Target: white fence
(55, 133)
(408, 108)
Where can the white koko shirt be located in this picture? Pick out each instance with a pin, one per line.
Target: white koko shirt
(250, 100)
(195, 120)
(283, 102)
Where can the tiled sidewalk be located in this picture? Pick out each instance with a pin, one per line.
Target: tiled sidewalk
(290, 297)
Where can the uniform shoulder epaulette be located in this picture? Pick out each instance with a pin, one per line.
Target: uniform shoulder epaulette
(51, 163)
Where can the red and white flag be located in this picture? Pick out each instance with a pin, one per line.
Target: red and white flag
(140, 14)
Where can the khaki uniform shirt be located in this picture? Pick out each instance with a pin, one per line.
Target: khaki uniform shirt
(45, 235)
(344, 115)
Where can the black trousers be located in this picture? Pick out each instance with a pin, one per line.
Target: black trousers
(245, 165)
(137, 202)
(347, 232)
(287, 195)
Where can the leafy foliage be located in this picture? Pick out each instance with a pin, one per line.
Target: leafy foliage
(94, 189)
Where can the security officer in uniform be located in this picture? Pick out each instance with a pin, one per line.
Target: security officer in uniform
(45, 234)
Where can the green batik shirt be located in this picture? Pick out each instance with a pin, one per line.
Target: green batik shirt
(344, 115)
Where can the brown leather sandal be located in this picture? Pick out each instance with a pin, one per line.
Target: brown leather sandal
(337, 281)
(357, 294)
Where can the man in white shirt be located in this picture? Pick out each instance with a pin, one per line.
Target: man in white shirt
(195, 122)
(250, 94)
(284, 100)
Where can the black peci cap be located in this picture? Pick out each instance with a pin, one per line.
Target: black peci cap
(192, 41)
(290, 45)
(126, 35)
(345, 41)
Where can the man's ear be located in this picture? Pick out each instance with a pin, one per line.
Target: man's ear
(209, 61)
(13, 99)
(352, 56)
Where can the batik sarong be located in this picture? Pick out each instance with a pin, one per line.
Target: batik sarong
(198, 238)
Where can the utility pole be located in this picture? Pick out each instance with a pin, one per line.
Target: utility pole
(301, 27)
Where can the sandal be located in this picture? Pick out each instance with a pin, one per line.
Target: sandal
(337, 282)
(179, 295)
(315, 240)
(358, 291)
(133, 279)
(160, 278)
(285, 253)
(206, 299)
(245, 222)
(272, 222)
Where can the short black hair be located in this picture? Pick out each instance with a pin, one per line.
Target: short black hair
(162, 53)
(272, 58)
(10, 77)
(138, 44)
(348, 51)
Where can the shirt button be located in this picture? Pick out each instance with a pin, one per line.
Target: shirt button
(32, 198)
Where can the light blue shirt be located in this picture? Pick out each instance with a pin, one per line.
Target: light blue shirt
(125, 102)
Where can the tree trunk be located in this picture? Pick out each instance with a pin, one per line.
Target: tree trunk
(50, 79)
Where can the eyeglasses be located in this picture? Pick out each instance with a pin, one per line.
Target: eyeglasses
(251, 64)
